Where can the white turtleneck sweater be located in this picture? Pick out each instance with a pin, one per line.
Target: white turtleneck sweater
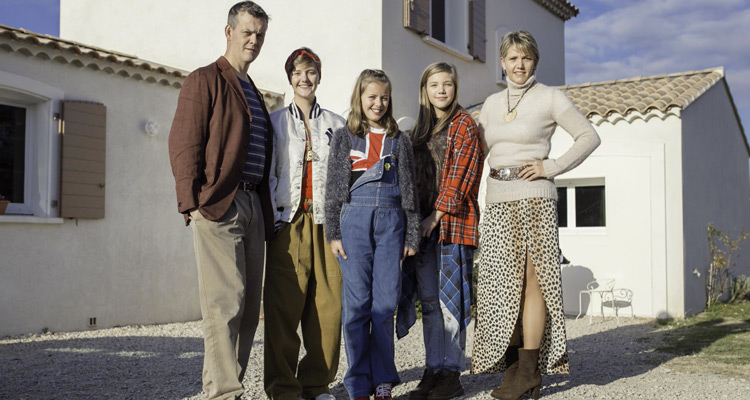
(527, 138)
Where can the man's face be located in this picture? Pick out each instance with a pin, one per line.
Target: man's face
(245, 40)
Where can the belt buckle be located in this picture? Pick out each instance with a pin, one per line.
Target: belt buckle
(505, 174)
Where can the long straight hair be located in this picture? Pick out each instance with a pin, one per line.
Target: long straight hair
(356, 122)
(427, 123)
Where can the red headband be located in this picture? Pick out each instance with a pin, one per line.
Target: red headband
(289, 65)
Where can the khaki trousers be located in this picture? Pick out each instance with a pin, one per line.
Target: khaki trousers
(303, 286)
(230, 254)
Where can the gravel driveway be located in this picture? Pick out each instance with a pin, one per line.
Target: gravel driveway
(164, 362)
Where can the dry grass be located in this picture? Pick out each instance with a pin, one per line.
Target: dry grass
(715, 341)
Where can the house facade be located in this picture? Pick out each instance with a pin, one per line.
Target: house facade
(674, 158)
(92, 237)
(401, 37)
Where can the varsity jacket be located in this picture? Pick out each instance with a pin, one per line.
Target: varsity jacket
(287, 167)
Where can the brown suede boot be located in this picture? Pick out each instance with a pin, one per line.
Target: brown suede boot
(527, 378)
(511, 366)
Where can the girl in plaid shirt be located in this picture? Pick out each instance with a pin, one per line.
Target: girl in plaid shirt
(448, 150)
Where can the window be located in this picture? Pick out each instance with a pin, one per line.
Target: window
(12, 152)
(28, 146)
(449, 23)
(457, 25)
(581, 203)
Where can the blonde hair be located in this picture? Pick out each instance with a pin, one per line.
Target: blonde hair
(523, 41)
(356, 122)
(427, 123)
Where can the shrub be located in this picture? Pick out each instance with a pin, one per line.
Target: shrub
(740, 289)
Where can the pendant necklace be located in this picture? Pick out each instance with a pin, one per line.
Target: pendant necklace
(511, 114)
(309, 153)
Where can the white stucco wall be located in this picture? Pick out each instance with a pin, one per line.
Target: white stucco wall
(348, 35)
(190, 33)
(405, 54)
(134, 266)
(641, 246)
(715, 187)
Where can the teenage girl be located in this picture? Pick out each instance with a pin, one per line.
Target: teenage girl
(372, 223)
(448, 150)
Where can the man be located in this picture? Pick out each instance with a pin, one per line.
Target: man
(220, 148)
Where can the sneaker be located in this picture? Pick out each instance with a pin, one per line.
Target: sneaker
(325, 396)
(383, 392)
(447, 387)
(429, 380)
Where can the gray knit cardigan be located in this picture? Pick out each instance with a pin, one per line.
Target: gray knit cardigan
(339, 175)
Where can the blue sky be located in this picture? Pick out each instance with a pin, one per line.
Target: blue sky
(616, 39)
(609, 39)
(41, 16)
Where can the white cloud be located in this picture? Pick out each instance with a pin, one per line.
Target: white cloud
(651, 37)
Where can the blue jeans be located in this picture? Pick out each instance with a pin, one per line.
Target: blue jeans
(438, 324)
(372, 231)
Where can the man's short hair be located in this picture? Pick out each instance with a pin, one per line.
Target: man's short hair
(246, 7)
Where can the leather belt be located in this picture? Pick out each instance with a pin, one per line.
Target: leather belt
(506, 174)
(247, 186)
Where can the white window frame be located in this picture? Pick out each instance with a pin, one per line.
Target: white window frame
(41, 169)
(571, 185)
(456, 30)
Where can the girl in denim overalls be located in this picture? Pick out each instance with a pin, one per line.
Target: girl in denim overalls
(372, 223)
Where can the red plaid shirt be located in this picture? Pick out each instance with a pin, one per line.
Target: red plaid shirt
(459, 182)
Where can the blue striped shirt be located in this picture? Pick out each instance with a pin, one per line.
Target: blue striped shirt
(256, 150)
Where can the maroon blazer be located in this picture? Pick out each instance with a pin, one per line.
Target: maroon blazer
(208, 143)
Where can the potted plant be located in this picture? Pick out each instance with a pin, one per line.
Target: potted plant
(3, 204)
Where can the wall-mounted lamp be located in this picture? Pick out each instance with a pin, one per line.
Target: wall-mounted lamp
(151, 128)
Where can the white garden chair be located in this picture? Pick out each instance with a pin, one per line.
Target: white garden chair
(617, 299)
(601, 287)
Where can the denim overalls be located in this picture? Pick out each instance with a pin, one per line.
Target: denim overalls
(372, 231)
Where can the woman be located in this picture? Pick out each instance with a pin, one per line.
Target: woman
(448, 150)
(303, 278)
(519, 285)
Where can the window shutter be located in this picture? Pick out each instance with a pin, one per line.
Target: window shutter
(417, 15)
(477, 41)
(82, 159)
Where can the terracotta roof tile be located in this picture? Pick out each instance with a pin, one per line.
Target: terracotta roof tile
(635, 97)
(46, 47)
(642, 94)
(561, 8)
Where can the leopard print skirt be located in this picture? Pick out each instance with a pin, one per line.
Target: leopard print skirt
(508, 230)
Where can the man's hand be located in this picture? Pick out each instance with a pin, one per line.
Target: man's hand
(338, 249)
